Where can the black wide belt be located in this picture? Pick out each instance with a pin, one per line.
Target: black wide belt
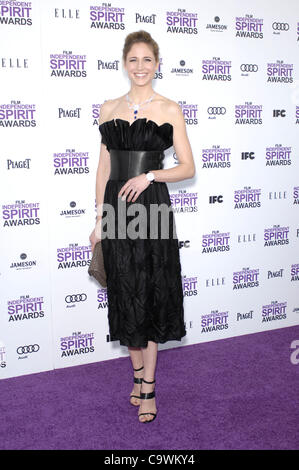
(126, 164)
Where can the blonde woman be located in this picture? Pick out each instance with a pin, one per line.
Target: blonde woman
(144, 287)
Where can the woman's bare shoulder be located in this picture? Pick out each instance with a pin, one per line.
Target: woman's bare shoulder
(170, 108)
(108, 108)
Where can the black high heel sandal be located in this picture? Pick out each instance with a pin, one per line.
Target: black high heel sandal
(136, 381)
(146, 396)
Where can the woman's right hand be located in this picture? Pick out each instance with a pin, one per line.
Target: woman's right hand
(95, 235)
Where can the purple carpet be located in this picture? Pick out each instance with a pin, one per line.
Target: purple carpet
(236, 393)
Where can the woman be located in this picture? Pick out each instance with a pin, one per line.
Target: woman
(144, 288)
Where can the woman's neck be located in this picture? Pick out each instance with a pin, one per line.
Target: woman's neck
(140, 94)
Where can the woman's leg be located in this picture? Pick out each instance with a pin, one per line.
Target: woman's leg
(149, 360)
(137, 362)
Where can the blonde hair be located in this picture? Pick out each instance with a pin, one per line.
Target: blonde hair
(140, 36)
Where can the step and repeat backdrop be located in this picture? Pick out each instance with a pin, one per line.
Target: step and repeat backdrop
(233, 68)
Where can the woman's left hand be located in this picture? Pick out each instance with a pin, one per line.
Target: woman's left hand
(134, 187)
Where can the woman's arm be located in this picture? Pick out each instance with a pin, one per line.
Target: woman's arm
(186, 167)
(103, 170)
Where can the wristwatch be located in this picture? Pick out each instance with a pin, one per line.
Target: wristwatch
(150, 176)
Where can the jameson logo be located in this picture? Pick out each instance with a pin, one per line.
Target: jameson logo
(280, 72)
(249, 27)
(106, 16)
(214, 321)
(72, 212)
(76, 344)
(182, 71)
(216, 157)
(20, 213)
(68, 64)
(216, 69)
(24, 263)
(25, 308)
(15, 13)
(70, 162)
(73, 256)
(215, 242)
(248, 113)
(17, 114)
(278, 155)
(216, 26)
(247, 198)
(181, 21)
(274, 311)
(246, 278)
(295, 272)
(276, 235)
(102, 298)
(296, 195)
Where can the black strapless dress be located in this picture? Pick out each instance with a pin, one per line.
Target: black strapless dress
(144, 285)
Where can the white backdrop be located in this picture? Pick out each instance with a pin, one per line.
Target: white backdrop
(233, 68)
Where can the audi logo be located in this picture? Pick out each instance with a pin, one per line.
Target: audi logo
(281, 26)
(216, 110)
(249, 68)
(28, 349)
(70, 299)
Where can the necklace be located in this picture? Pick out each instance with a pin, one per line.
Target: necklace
(136, 107)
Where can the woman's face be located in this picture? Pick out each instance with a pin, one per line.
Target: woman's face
(141, 64)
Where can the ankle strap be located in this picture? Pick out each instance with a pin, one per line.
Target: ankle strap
(149, 382)
(136, 370)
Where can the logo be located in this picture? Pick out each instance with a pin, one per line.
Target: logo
(181, 21)
(185, 244)
(18, 164)
(28, 349)
(280, 26)
(69, 113)
(213, 199)
(75, 298)
(182, 71)
(216, 27)
(216, 110)
(72, 212)
(66, 13)
(279, 112)
(249, 67)
(246, 155)
(145, 19)
(14, 63)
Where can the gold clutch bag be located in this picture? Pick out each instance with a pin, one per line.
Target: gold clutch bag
(96, 267)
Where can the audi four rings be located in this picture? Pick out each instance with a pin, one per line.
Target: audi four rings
(281, 26)
(249, 67)
(75, 298)
(28, 349)
(216, 110)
